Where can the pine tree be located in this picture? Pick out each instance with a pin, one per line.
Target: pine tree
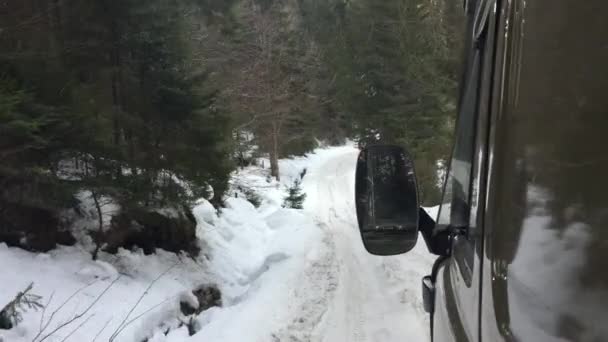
(295, 197)
(393, 67)
(110, 97)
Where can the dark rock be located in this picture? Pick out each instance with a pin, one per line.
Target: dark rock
(208, 296)
(31, 210)
(186, 308)
(32, 228)
(150, 230)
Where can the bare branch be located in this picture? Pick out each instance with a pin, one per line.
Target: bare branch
(46, 325)
(253, 120)
(147, 311)
(124, 324)
(80, 315)
(77, 328)
(101, 330)
(44, 309)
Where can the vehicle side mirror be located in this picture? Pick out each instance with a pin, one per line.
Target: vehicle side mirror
(386, 197)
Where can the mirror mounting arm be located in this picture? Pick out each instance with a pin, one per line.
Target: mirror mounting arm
(455, 231)
(438, 243)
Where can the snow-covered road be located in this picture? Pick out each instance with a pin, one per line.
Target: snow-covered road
(357, 297)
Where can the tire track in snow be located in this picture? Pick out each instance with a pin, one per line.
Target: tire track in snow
(344, 319)
(313, 294)
(352, 295)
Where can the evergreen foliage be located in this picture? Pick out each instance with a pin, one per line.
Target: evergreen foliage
(295, 197)
(110, 93)
(153, 103)
(12, 313)
(394, 71)
(252, 197)
(109, 97)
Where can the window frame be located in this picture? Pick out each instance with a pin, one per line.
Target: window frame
(469, 155)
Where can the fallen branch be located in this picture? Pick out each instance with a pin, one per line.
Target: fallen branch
(148, 310)
(125, 322)
(80, 315)
(101, 330)
(77, 328)
(44, 326)
(44, 310)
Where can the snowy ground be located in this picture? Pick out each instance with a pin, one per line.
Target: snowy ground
(286, 275)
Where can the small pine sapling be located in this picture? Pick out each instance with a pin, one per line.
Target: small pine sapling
(295, 197)
(12, 313)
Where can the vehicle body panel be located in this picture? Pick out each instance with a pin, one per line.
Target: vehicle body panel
(543, 221)
(445, 326)
(546, 227)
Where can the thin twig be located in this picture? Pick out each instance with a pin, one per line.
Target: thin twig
(123, 324)
(78, 316)
(77, 328)
(101, 330)
(44, 310)
(46, 325)
(147, 311)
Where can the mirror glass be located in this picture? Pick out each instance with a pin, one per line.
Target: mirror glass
(386, 199)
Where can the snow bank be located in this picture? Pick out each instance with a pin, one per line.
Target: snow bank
(243, 248)
(257, 255)
(68, 271)
(258, 259)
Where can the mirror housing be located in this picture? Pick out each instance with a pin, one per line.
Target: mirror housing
(386, 197)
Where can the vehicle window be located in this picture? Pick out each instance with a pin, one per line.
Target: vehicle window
(459, 201)
(455, 205)
(461, 164)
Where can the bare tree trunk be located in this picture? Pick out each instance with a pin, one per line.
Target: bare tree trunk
(116, 84)
(274, 152)
(98, 239)
(53, 24)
